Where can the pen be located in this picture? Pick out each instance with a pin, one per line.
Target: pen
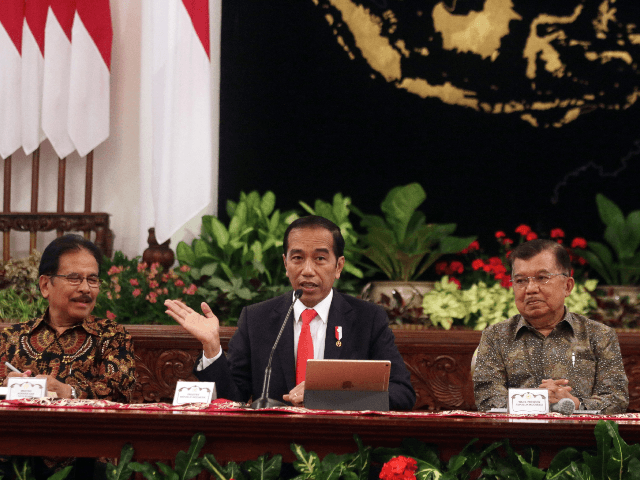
(573, 359)
(11, 367)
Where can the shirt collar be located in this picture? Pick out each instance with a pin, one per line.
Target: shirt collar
(89, 323)
(568, 318)
(322, 308)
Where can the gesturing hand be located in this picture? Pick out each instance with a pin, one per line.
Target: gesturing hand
(205, 328)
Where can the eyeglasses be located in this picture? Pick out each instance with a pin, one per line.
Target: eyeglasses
(539, 279)
(75, 279)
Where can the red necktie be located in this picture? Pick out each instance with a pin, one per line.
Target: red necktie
(305, 345)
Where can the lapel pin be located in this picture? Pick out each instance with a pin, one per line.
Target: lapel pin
(338, 336)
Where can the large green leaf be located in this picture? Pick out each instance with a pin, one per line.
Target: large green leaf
(263, 469)
(187, 463)
(220, 233)
(185, 254)
(268, 203)
(123, 471)
(399, 205)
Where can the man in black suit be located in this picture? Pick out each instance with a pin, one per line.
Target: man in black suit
(341, 326)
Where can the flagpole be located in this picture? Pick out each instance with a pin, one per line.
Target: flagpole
(88, 191)
(35, 183)
(62, 165)
(6, 236)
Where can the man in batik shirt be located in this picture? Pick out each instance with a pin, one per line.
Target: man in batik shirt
(81, 356)
(546, 346)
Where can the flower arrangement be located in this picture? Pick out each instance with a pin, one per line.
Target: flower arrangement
(134, 292)
(473, 264)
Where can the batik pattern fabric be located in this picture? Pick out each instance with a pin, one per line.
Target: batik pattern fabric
(94, 356)
(513, 354)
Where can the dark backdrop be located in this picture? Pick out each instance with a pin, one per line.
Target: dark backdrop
(300, 118)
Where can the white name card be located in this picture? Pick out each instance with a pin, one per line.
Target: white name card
(26, 387)
(531, 401)
(194, 392)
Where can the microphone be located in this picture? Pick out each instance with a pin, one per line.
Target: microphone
(264, 401)
(564, 406)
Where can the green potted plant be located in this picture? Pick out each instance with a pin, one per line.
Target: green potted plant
(617, 263)
(402, 245)
(20, 298)
(240, 263)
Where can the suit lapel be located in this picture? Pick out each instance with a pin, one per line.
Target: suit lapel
(340, 315)
(284, 350)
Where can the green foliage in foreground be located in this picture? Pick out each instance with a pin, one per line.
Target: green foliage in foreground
(612, 459)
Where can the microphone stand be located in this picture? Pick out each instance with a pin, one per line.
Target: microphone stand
(264, 401)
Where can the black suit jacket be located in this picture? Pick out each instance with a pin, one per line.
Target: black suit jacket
(365, 336)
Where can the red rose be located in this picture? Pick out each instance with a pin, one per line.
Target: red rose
(399, 468)
(578, 242)
(531, 236)
(557, 233)
(523, 230)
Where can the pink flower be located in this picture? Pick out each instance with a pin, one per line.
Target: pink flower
(185, 268)
(152, 297)
(136, 292)
(179, 283)
(134, 282)
(153, 284)
(191, 290)
(142, 266)
(111, 315)
(114, 270)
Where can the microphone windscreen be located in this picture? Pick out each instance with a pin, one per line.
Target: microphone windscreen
(298, 293)
(565, 406)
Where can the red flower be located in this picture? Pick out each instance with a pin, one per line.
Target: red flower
(191, 290)
(142, 266)
(582, 261)
(473, 246)
(153, 284)
(531, 236)
(456, 267)
(578, 242)
(500, 234)
(114, 270)
(456, 281)
(477, 264)
(495, 261)
(507, 241)
(523, 230)
(441, 268)
(557, 233)
(179, 283)
(136, 292)
(399, 468)
(185, 268)
(134, 282)
(506, 281)
(111, 315)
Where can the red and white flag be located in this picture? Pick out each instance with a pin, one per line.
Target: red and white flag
(182, 174)
(11, 21)
(57, 65)
(35, 18)
(92, 37)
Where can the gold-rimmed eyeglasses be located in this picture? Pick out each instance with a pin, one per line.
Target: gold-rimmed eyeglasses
(76, 279)
(539, 279)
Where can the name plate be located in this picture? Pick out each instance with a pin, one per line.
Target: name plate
(26, 387)
(194, 392)
(530, 401)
